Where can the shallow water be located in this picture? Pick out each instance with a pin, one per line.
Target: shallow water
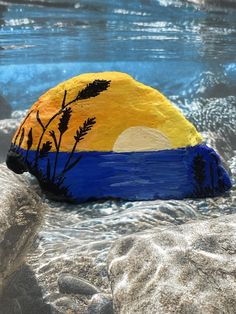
(184, 50)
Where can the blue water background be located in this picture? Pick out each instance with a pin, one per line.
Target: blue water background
(181, 49)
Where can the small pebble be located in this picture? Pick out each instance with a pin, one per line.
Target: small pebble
(64, 302)
(100, 304)
(74, 285)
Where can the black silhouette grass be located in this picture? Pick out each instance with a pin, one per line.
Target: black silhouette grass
(54, 186)
(200, 175)
(53, 190)
(21, 137)
(45, 149)
(80, 134)
(20, 128)
(62, 127)
(53, 181)
(39, 120)
(29, 142)
(91, 90)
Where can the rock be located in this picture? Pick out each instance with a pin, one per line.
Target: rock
(71, 284)
(5, 108)
(66, 303)
(100, 304)
(23, 295)
(7, 129)
(20, 215)
(148, 151)
(85, 267)
(185, 269)
(11, 307)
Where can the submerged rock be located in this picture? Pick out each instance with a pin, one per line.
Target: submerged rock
(100, 304)
(5, 108)
(75, 285)
(185, 269)
(23, 295)
(20, 215)
(8, 127)
(79, 152)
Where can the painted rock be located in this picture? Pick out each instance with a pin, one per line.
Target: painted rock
(105, 135)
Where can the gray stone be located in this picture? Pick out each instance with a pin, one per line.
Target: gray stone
(48, 269)
(67, 303)
(100, 304)
(75, 285)
(20, 216)
(8, 128)
(23, 295)
(5, 108)
(186, 269)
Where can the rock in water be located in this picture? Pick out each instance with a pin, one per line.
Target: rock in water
(185, 269)
(5, 109)
(23, 295)
(71, 284)
(20, 216)
(8, 128)
(100, 304)
(105, 135)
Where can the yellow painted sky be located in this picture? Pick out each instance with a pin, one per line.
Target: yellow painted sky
(126, 103)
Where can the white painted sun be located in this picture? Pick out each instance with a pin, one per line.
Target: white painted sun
(141, 138)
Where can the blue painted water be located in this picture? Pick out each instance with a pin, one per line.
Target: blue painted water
(168, 174)
(185, 50)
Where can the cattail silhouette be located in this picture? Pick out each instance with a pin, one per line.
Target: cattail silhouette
(45, 149)
(21, 137)
(29, 143)
(87, 126)
(64, 120)
(53, 182)
(48, 169)
(30, 139)
(199, 172)
(53, 135)
(19, 131)
(91, 90)
(39, 120)
(83, 130)
(64, 100)
(62, 127)
(71, 165)
(55, 185)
